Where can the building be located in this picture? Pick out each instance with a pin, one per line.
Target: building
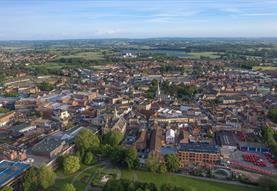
(170, 136)
(49, 147)
(141, 142)
(8, 152)
(200, 154)
(120, 125)
(156, 141)
(6, 118)
(227, 143)
(253, 147)
(11, 172)
(23, 128)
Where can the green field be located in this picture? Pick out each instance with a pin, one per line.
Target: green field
(83, 179)
(198, 55)
(85, 55)
(264, 68)
(194, 184)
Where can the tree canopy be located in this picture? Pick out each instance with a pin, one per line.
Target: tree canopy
(7, 188)
(46, 177)
(87, 140)
(112, 138)
(272, 114)
(68, 187)
(125, 157)
(172, 162)
(268, 183)
(71, 164)
(31, 182)
(45, 86)
(89, 158)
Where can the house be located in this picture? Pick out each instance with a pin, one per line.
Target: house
(6, 118)
(8, 152)
(170, 136)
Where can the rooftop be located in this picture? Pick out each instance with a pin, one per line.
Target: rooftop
(10, 170)
(195, 147)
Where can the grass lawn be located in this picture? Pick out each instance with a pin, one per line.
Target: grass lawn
(63, 179)
(263, 68)
(197, 55)
(194, 184)
(95, 55)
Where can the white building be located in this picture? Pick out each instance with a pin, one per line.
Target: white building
(170, 136)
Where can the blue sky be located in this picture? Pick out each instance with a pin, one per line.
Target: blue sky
(73, 19)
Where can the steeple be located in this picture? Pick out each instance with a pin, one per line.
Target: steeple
(158, 93)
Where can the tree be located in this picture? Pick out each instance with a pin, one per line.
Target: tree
(268, 182)
(68, 187)
(152, 163)
(45, 86)
(2, 78)
(31, 180)
(172, 162)
(87, 140)
(162, 168)
(131, 158)
(272, 114)
(125, 157)
(71, 164)
(11, 94)
(269, 137)
(7, 188)
(89, 158)
(46, 177)
(112, 138)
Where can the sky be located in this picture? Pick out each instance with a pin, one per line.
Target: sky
(85, 19)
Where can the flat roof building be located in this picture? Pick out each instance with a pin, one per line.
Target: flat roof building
(200, 154)
(11, 172)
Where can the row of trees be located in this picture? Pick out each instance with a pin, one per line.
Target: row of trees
(127, 185)
(171, 163)
(268, 183)
(11, 94)
(44, 177)
(269, 135)
(272, 114)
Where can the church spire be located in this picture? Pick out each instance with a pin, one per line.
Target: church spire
(158, 93)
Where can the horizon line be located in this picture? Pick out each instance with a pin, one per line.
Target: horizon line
(142, 38)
